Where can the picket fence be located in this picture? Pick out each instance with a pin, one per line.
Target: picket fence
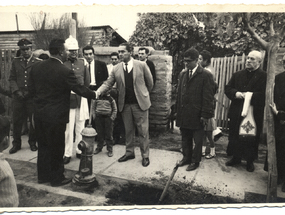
(224, 68)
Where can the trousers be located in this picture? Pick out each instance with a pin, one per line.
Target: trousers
(75, 125)
(133, 117)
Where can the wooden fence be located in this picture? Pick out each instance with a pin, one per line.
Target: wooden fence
(224, 68)
(6, 57)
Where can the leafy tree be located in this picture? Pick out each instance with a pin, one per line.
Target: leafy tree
(173, 31)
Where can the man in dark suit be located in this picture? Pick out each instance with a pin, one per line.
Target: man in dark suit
(98, 72)
(143, 56)
(134, 82)
(98, 69)
(251, 79)
(196, 89)
(22, 102)
(50, 83)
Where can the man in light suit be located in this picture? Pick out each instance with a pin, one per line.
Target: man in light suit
(134, 82)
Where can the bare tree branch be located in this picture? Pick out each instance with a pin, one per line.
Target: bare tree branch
(271, 27)
(261, 41)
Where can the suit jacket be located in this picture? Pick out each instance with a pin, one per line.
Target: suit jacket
(50, 83)
(152, 70)
(142, 80)
(101, 73)
(19, 74)
(195, 98)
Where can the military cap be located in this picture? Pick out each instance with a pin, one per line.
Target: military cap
(24, 42)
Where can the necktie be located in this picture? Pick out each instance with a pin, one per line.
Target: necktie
(26, 62)
(89, 74)
(190, 74)
(126, 67)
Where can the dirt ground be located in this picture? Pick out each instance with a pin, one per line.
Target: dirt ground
(123, 192)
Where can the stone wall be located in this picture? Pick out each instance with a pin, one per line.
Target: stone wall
(161, 94)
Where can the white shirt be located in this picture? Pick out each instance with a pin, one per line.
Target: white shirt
(194, 70)
(130, 65)
(92, 73)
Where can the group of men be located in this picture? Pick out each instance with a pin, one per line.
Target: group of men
(56, 95)
(59, 91)
(196, 89)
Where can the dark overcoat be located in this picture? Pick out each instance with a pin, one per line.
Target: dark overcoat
(279, 99)
(257, 86)
(195, 98)
(50, 83)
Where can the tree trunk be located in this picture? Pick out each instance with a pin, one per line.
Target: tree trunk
(272, 165)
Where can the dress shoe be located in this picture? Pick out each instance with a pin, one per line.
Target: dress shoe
(61, 183)
(192, 166)
(66, 160)
(250, 167)
(145, 162)
(78, 155)
(233, 162)
(14, 149)
(33, 148)
(125, 158)
(43, 181)
(110, 154)
(97, 151)
(183, 162)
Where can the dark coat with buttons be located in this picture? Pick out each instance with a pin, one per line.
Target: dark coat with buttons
(256, 85)
(195, 98)
(19, 74)
(80, 72)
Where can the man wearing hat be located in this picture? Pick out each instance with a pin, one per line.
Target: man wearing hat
(196, 89)
(78, 112)
(23, 103)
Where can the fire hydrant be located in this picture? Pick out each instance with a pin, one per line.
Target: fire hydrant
(85, 175)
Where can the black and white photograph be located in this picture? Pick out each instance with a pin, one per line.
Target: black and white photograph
(123, 107)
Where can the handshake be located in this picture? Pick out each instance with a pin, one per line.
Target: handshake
(97, 94)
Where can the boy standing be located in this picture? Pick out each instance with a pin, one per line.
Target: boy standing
(104, 112)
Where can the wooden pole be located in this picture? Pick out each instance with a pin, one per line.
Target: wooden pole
(17, 23)
(272, 164)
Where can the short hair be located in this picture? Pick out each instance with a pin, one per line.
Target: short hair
(88, 48)
(129, 46)
(143, 48)
(206, 56)
(114, 54)
(43, 56)
(56, 46)
(192, 53)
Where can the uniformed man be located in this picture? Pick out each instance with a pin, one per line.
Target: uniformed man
(22, 104)
(78, 111)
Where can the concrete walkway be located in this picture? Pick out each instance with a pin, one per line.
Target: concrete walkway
(212, 175)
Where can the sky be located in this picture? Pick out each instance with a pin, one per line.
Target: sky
(123, 21)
